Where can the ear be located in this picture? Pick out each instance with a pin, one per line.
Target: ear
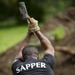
(38, 56)
(22, 58)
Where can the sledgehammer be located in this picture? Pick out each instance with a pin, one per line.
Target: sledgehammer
(23, 11)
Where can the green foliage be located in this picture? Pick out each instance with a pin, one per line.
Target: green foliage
(11, 36)
(53, 7)
(8, 23)
(38, 9)
(58, 33)
(34, 9)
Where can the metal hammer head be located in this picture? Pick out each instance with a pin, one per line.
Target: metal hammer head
(23, 10)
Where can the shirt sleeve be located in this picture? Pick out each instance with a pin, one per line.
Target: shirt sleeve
(50, 60)
(15, 63)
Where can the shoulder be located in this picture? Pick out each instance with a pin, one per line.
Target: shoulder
(48, 56)
(16, 62)
(49, 59)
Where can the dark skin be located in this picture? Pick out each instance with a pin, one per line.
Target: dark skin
(44, 42)
(24, 43)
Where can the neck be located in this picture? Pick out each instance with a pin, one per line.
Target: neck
(29, 57)
(34, 57)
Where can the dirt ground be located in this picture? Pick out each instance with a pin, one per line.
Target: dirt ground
(65, 59)
(65, 63)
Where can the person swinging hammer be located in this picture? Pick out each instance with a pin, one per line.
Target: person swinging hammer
(27, 61)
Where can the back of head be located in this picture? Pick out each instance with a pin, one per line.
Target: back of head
(30, 51)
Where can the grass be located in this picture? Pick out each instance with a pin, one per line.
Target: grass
(11, 36)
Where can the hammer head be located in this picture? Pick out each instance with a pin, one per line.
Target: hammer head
(23, 10)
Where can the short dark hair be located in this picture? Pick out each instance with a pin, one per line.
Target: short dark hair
(30, 50)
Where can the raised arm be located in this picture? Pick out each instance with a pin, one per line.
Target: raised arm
(24, 43)
(45, 43)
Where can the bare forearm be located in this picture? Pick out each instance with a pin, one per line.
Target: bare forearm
(24, 43)
(44, 41)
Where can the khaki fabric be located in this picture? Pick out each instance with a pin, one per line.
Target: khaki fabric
(32, 27)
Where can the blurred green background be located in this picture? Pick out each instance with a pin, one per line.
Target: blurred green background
(13, 28)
